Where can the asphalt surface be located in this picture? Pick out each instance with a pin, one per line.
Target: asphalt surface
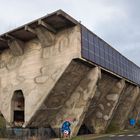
(126, 136)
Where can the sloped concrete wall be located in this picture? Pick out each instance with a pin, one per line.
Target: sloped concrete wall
(126, 105)
(100, 113)
(60, 93)
(36, 71)
(77, 106)
(134, 113)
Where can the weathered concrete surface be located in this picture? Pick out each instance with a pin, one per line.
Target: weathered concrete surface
(45, 37)
(36, 71)
(16, 47)
(60, 93)
(126, 105)
(76, 107)
(136, 110)
(135, 113)
(100, 114)
(104, 85)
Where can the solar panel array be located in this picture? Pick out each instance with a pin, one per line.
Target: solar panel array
(96, 50)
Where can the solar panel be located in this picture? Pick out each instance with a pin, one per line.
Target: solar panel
(98, 51)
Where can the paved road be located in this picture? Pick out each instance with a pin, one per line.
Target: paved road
(128, 136)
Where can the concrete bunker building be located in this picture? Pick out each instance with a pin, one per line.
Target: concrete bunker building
(54, 69)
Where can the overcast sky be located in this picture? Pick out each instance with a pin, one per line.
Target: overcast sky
(116, 21)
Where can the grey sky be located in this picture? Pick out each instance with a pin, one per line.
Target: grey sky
(116, 21)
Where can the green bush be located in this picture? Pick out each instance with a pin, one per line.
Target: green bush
(2, 127)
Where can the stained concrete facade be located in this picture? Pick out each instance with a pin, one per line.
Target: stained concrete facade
(59, 85)
(36, 71)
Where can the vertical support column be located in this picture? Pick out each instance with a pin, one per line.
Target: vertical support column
(98, 121)
(77, 105)
(125, 107)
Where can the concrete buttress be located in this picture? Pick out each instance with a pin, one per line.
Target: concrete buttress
(77, 105)
(98, 121)
(60, 93)
(125, 106)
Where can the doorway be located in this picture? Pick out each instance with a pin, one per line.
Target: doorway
(18, 107)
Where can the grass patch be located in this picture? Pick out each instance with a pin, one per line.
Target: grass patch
(2, 127)
(77, 138)
(113, 128)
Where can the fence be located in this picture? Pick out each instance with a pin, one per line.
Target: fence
(27, 133)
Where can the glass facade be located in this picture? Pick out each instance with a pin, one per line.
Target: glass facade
(98, 51)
